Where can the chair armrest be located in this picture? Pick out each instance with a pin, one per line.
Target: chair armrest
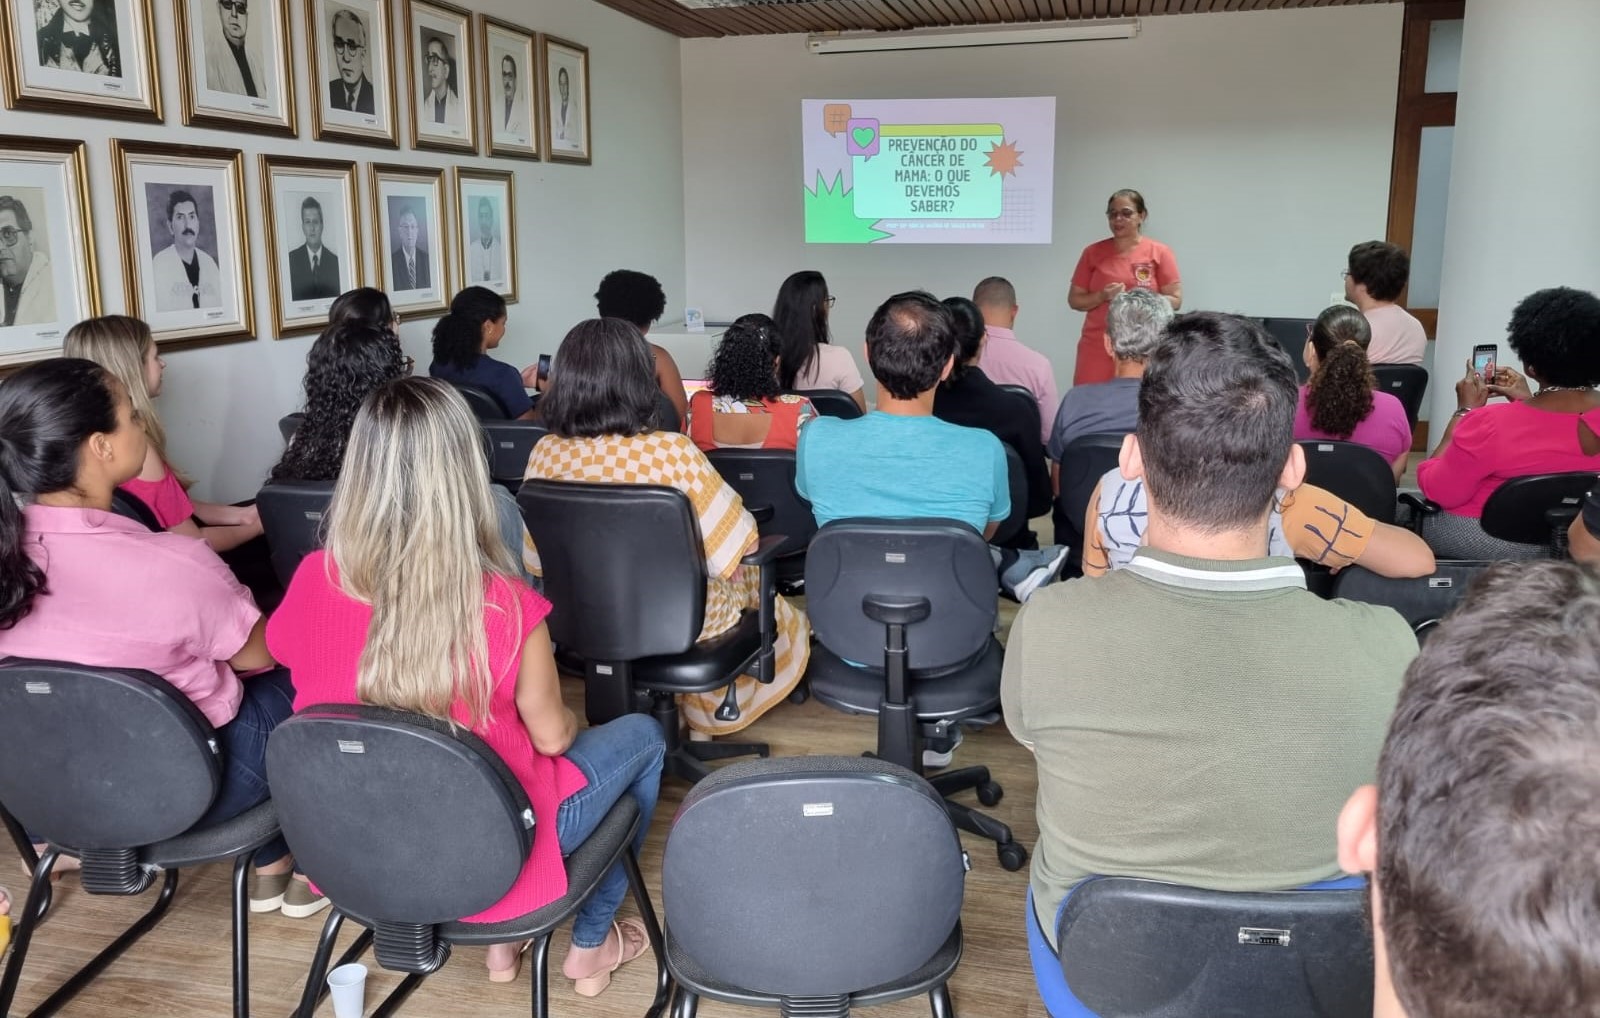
(766, 549)
(1420, 507)
(765, 557)
(891, 609)
(761, 513)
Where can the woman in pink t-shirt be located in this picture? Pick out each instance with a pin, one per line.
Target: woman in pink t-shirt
(438, 622)
(806, 358)
(1339, 402)
(1122, 261)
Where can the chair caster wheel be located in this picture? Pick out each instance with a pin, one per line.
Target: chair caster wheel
(1012, 856)
(990, 793)
(800, 694)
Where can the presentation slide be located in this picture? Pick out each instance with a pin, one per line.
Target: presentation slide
(928, 171)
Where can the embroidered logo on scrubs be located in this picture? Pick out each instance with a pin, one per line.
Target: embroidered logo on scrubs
(1144, 274)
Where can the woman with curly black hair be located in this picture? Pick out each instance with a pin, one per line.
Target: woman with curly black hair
(744, 407)
(806, 358)
(1556, 335)
(1340, 402)
(462, 340)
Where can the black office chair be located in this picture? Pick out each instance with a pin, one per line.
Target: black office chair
(1083, 462)
(1017, 489)
(65, 732)
(1154, 950)
(510, 443)
(764, 478)
(832, 403)
(290, 424)
(667, 418)
(624, 568)
(1291, 334)
(854, 859)
(132, 506)
(378, 804)
(1422, 601)
(1355, 473)
(1027, 406)
(920, 597)
(1406, 382)
(291, 519)
(486, 406)
(1537, 509)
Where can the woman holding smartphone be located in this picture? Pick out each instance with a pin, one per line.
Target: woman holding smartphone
(1123, 261)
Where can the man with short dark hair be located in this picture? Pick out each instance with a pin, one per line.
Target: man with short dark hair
(1005, 360)
(1375, 278)
(1193, 713)
(637, 297)
(182, 275)
(231, 64)
(313, 269)
(440, 105)
(1479, 837)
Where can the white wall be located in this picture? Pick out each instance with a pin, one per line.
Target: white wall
(221, 403)
(1261, 141)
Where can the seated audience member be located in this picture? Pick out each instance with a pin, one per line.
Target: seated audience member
(1375, 276)
(365, 305)
(970, 399)
(1005, 360)
(1133, 328)
(807, 357)
(440, 625)
(80, 583)
(1339, 402)
(1138, 741)
(601, 410)
(900, 461)
(125, 347)
(1555, 430)
(1478, 839)
(639, 299)
(462, 339)
(744, 408)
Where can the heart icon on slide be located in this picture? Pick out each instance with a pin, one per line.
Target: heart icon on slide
(863, 136)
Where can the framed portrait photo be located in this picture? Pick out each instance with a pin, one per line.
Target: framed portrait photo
(48, 274)
(566, 91)
(510, 89)
(89, 57)
(313, 224)
(411, 222)
(185, 240)
(443, 82)
(233, 62)
(351, 54)
(486, 217)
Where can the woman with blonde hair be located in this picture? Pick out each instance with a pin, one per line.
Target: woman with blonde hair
(415, 604)
(125, 347)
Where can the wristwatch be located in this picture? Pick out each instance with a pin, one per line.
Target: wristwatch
(1461, 411)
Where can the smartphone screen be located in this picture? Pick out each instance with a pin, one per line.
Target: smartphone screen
(544, 366)
(1484, 359)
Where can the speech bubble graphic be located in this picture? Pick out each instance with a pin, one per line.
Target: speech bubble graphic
(862, 139)
(835, 116)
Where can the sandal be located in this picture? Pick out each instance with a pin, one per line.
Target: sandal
(5, 920)
(509, 975)
(593, 986)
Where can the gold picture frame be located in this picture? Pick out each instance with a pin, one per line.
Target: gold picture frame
(364, 110)
(102, 83)
(511, 108)
(220, 88)
(441, 66)
(301, 196)
(567, 131)
(44, 194)
(185, 240)
(417, 280)
(486, 206)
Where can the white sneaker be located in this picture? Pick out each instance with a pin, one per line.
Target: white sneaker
(1039, 577)
(934, 760)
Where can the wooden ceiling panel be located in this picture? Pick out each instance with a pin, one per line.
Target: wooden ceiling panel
(772, 17)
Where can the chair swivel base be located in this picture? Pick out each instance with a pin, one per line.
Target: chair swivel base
(687, 760)
(1012, 855)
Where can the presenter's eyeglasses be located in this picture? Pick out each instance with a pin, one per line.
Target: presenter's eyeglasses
(1120, 213)
(830, 301)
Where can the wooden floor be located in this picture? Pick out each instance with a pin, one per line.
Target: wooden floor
(181, 970)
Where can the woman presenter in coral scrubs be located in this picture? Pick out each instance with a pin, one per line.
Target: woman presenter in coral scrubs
(1107, 267)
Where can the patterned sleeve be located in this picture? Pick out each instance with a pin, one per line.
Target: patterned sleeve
(727, 531)
(1323, 528)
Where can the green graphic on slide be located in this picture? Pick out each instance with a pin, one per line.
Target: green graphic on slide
(929, 171)
(831, 215)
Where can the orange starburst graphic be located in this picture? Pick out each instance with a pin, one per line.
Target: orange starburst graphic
(1003, 159)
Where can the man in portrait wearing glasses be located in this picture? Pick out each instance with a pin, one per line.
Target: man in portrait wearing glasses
(514, 111)
(25, 278)
(231, 62)
(441, 104)
(351, 91)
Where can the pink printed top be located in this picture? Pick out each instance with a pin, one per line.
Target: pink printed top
(121, 596)
(319, 632)
(1496, 443)
(1397, 336)
(1007, 362)
(1385, 430)
(166, 498)
(1149, 263)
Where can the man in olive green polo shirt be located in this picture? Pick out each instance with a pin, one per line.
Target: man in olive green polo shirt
(1198, 716)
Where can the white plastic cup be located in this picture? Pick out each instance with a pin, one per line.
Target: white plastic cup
(348, 984)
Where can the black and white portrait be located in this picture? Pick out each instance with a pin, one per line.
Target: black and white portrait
(441, 84)
(27, 280)
(184, 272)
(234, 59)
(409, 244)
(567, 100)
(510, 89)
(80, 57)
(47, 278)
(413, 239)
(79, 35)
(351, 88)
(442, 79)
(486, 249)
(313, 239)
(314, 265)
(233, 52)
(352, 69)
(486, 231)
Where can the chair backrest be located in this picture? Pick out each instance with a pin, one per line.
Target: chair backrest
(623, 565)
(485, 404)
(377, 804)
(832, 403)
(945, 561)
(1140, 947)
(290, 424)
(853, 860)
(765, 478)
(1355, 473)
(1407, 383)
(510, 442)
(1017, 488)
(1536, 509)
(1422, 601)
(667, 418)
(102, 758)
(1291, 335)
(1083, 462)
(1027, 406)
(132, 506)
(291, 518)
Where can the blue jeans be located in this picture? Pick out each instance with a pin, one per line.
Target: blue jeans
(268, 700)
(621, 757)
